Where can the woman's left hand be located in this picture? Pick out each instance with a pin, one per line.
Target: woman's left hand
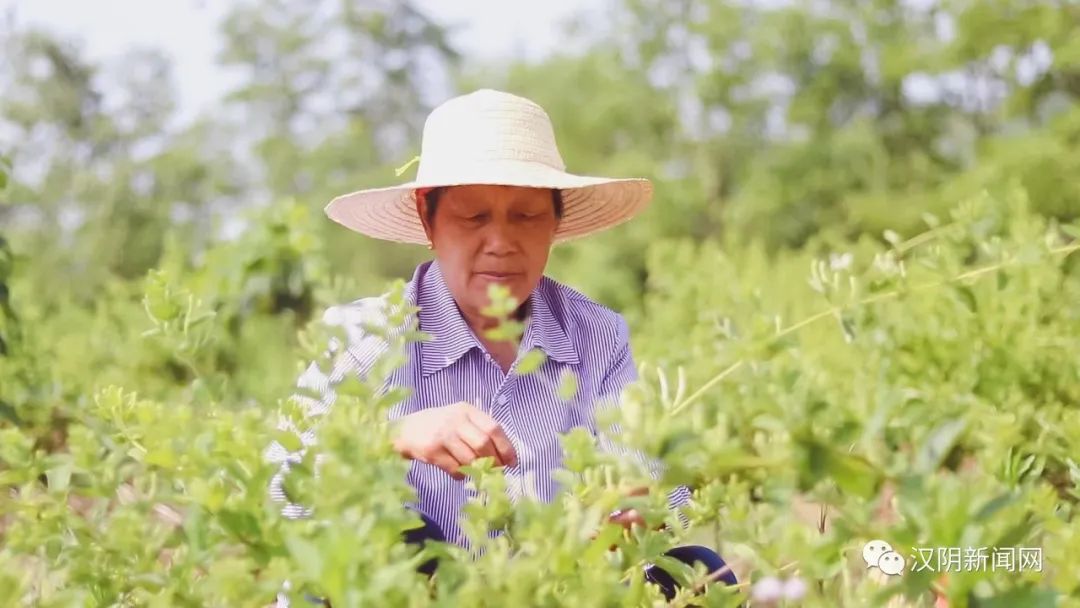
(627, 518)
(630, 517)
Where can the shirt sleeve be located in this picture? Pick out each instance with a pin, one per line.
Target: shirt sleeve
(621, 373)
(316, 395)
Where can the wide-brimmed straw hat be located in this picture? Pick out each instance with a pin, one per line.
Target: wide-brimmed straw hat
(491, 137)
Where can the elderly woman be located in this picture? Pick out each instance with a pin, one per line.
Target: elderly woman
(490, 199)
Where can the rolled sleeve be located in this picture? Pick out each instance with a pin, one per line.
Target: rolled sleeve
(622, 373)
(316, 394)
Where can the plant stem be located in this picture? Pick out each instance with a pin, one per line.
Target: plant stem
(1064, 250)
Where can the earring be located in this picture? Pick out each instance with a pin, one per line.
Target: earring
(430, 246)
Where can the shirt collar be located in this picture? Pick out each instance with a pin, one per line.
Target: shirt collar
(547, 325)
(451, 336)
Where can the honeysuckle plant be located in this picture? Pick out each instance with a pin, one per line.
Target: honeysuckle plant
(921, 391)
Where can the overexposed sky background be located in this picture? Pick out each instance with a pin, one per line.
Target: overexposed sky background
(187, 30)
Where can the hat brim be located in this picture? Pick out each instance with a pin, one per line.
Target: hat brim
(590, 204)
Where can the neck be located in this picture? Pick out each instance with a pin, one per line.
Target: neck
(481, 323)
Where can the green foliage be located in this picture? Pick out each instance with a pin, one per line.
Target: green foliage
(924, 395)
(831, 349)
(922, 392)
(500, 308)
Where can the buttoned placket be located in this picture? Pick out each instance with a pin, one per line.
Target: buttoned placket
(497, 407)
(500, 396)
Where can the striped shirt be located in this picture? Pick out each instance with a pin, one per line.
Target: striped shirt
(576, 334)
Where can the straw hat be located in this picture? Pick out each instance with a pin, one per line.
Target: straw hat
(491, 137)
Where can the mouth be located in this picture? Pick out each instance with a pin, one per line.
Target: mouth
(498, 276)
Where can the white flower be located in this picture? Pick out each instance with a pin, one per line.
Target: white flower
(768, 589)
(794, 588)
(840, 262)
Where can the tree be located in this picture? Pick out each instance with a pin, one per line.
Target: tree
(332, 96)
(101, 173)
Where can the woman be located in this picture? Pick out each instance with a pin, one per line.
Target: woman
(490, 199)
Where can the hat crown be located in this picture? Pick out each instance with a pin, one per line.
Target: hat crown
(486, 126)
(497, 138)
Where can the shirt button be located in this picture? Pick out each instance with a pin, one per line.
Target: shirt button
(503, 399)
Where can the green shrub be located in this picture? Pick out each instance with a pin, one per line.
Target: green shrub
(923, 392)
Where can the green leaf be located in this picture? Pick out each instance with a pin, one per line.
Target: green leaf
(288, 440)
(506, 331)
(994, 505)
(531, 362)
(59, 477)
(967, 297)
(162, 456)
(607, 536)
(579, 449)
(939, 443)
(1016, 534)
(676, 568)
(568, 385)
(854, 475)
(851, 473)
(241, 524)
(306, 555)
(195, 529)
(848, 327)
(1028, 597)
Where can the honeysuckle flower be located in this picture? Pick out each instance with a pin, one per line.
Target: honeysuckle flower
(768, 589)
(794, 588)
(840, 261)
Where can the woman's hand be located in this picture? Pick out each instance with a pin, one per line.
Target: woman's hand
(630, 517)
(627, 519)
(453, 436)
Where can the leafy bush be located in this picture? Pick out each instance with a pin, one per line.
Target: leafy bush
(924, 392)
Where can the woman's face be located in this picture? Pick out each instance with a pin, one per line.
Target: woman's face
(487, 235)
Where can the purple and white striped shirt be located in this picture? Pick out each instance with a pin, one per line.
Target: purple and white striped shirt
(576, 335)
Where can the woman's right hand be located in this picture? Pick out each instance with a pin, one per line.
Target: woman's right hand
(453, 436)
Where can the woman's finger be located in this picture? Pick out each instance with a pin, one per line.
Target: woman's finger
(444, 460)
(480, 442)
(460, 451)
(627, 518)
(490, 428)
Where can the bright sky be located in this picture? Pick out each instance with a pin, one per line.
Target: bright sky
(186, 29)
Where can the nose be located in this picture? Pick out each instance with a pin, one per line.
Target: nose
(499, 240)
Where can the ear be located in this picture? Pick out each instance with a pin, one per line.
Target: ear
(421, 210)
